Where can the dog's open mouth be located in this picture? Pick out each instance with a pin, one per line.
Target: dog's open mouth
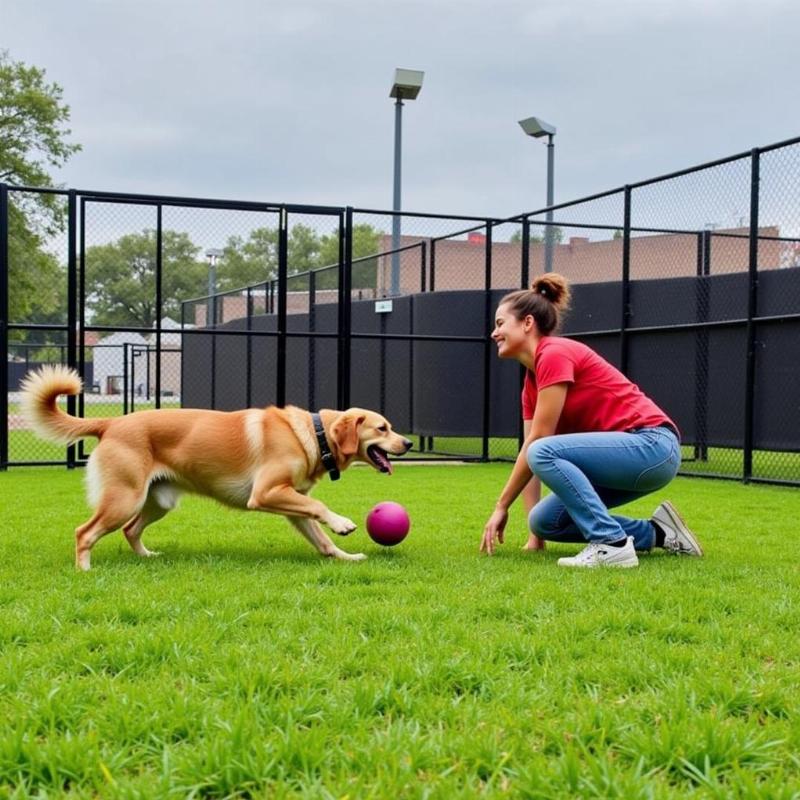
(379, 459)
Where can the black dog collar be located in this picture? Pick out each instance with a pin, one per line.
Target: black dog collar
(328, 461)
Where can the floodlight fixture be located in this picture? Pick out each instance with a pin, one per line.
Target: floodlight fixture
(533, 126)
(407, 84)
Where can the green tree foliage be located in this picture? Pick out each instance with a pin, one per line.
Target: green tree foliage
(37, 281)
(538, 238)
(249, 261)
(366, 242)
(516, 237)
(253, 260)
(121, 278)
(33, 138)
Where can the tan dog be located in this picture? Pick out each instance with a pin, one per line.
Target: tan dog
(260, 459)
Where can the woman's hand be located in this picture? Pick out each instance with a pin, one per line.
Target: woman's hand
(494, 528)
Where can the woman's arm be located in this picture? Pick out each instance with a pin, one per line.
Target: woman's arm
(531, 495)
(549, 404)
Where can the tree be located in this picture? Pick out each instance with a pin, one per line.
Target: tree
(535, 238)
(366, 242)
(121, 278)
(516, 237)
(33, 137)
(246, 262)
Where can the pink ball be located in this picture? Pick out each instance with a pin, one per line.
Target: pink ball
(388, 523)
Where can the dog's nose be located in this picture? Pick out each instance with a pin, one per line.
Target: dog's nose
(408, 444)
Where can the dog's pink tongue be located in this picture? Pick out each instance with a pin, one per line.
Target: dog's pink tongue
(389, 466)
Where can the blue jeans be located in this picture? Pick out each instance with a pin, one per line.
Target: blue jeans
(588, 473)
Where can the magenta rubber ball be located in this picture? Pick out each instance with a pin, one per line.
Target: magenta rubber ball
(388, 524)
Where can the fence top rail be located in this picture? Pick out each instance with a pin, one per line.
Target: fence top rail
(427, 215)
(180, 200)
(12, 187)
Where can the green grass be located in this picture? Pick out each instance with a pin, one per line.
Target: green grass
(240, 664)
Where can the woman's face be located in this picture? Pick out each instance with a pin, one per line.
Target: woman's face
(511, 334)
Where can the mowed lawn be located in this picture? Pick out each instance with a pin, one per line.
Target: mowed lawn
(240, 664)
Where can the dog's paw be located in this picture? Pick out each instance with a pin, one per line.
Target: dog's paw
(352, 556)
(341, 525)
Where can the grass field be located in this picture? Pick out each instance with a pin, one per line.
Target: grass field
(240, 664)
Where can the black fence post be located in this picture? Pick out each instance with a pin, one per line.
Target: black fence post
(81, 266)
(213, 312)
(701, 365)
(524, 282)
(159, 306)
(345, 302)
(134, 380)
(411, 366)
(72, 306)
(148, 377)
(626, 283)
(125, 378)
(249, 376)
(487, 350)
(312, 341)
(752, 310)
(283, 273)
(183, 352)
(382, 322)
(525, 261)
(4, 309)
(423, 254)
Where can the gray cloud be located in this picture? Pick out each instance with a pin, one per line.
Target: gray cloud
(265, 100)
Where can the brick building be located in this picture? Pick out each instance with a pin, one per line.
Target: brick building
(460, 264)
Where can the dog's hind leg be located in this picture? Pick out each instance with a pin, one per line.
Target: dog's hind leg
(117, 506)
(161, 498)
(321, 541)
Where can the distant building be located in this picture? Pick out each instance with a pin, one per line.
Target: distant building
(109, 360)
(171, 345)
(460, 263)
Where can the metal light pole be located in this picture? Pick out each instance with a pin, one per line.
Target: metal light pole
(212, 254)
(537, 128)
(406, 86)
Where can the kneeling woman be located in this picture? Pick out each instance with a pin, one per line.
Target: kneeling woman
(595, 440)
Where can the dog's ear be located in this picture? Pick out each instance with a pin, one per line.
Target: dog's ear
(345, 432)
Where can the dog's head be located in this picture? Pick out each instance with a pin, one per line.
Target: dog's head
(362, 435)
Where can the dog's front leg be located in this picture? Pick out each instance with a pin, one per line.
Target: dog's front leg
(285, 499)
(314, 534)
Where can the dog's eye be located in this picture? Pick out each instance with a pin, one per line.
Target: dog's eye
(383, 428)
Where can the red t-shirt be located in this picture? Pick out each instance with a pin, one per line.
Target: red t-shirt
(599, 396)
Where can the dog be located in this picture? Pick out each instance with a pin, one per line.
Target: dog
(261, 459)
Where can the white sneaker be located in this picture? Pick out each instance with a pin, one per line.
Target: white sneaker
(598, 554)
(678, 538)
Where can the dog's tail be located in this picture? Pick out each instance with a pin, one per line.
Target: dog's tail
(39, 392)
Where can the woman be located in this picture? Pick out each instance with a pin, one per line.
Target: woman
(594, 439)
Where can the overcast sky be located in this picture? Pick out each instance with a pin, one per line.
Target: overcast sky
(288, 101)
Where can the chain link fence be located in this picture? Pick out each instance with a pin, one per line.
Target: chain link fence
(690, 283)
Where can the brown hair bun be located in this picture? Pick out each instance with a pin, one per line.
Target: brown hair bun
(555, 288)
